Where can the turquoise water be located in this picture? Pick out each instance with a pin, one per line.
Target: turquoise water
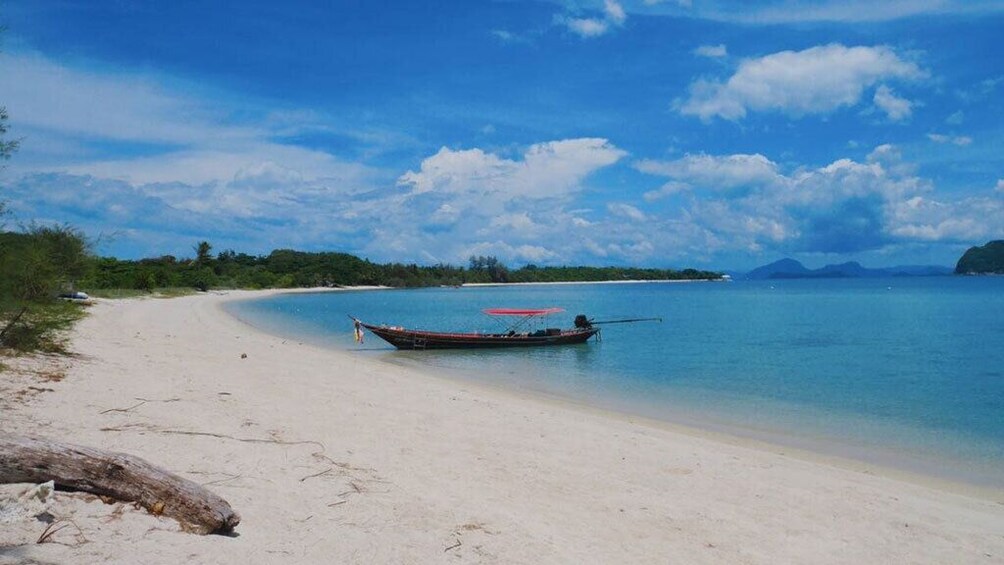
(906, 372)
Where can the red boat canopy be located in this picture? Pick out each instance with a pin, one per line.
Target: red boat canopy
(521, 311)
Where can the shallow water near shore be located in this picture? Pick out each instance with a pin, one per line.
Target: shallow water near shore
(903, 372)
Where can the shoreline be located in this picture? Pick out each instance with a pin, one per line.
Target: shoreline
(931, 471)
(630, 281)
(381, 463)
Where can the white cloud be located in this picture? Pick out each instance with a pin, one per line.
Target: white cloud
(613, 16)
(960, 140)
(956, 118)
(667, 189)
(509, 205)
(711, 172)
(135, 107)
(547, 170)
(843, 207)
(519, 222)
(614, 12)
(587, 27)
(626, 211)
(711, 51)
(817, 80)
(1000, 185)
(185, 132)
(506, 36)
(511, 253)
(895, 107)
(965, 220)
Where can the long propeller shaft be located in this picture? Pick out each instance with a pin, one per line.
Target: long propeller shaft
(627, 321)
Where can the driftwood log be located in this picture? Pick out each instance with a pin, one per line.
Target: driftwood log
(117, 475)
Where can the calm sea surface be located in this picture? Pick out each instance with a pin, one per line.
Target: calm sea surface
(906, 372)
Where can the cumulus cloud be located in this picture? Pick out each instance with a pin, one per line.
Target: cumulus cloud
(817, 80)
(497, 205)
(546, 170)
(965, 220)
(711, 51)
(844, 207)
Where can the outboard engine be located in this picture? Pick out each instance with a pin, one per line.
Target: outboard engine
(581, 321)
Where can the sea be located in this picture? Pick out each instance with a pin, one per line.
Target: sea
(906, 373)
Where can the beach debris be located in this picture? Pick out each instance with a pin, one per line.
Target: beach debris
(142, 401)
(54, 527)
(244, 355)
(121, 476)
(30, 503)
(454, 546)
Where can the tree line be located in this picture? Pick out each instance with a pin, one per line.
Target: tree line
(287, 268)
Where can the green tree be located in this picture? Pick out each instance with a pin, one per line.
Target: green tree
(7, 148)
(41, 262)
(202, 250)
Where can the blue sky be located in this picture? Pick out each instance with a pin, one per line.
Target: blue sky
(718, 134)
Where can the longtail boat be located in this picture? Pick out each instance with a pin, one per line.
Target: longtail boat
(402, 338)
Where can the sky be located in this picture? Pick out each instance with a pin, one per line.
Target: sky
(718, 134)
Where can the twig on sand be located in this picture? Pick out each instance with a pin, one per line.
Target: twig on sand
(123, 409)
(221, 436)
(142, 402)
(454, 546)
(166, 400)
(50, 531)
(324, 472)
(224, 480)
(59, 525)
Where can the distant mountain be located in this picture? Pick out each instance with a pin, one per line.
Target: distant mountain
(785, 268)
(792, 269)
(983, 260)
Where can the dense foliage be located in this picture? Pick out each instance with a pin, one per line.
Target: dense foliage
(35, 266)
(982, 260)
(284, 268)
(39, 262)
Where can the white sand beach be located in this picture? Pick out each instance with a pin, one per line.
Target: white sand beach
(331, 457)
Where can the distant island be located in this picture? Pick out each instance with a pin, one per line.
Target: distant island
(988, 259)
(792, 269)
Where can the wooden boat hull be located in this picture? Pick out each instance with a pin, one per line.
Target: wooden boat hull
(414, 339)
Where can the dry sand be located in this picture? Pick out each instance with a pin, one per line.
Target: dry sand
(397, 466)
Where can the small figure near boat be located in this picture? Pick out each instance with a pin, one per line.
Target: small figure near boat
(358, 330)
(516, 336)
